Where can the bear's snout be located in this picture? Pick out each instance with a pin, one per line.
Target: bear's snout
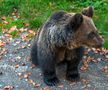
(100, 44)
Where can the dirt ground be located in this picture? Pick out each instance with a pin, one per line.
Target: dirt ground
(17, 72)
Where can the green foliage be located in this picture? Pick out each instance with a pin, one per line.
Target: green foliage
(36, 23)
(37, 12)
(14, 33)
(18, 22)
(7, 6)
(106, 44)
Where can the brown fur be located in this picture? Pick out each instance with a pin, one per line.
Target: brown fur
(62, 38)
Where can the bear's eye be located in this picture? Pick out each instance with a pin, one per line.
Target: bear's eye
(91, 35)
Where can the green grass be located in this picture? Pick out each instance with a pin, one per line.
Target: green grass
(18, 22)
(36, 12)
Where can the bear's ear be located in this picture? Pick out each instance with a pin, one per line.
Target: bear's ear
(76, 21)
(88, 11)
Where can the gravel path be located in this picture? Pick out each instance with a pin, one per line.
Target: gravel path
(17, 71)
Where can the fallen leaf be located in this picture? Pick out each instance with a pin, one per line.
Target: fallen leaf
(60, 86)
(46, 88)
(83, 68)
(105, 67)
(13, 28)
(9, 87)
(73, 83)
(99, 50)
(23, 64)
(30, 81)
(5, 22)
(29, 45)
(99, 59)
(19, 74)
(17, 66)
(3, 18)
(85, 81)
(106, 56)
(2, 43)
(26, 76)
(85, 52)
(18, 42)
(26, 24)
(29, 73)
(85, 88)
(18, 57)
(32, 32)
(33, 66)
(23, 47)
(37, 85)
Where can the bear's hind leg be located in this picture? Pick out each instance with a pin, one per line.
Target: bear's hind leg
(33, 53)
(72, 73)
(47, 64)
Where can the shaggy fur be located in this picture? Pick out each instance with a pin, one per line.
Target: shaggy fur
(62, 38)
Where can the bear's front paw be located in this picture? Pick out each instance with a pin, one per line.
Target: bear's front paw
(73, 77)
(51, 82)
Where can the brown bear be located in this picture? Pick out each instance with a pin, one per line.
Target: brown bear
(63, 38)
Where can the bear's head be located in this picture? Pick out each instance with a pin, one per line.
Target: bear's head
(85, 32)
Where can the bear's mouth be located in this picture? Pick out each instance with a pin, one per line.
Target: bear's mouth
(72, 46)
(93, 46)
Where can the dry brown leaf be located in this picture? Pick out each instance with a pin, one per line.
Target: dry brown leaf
(46, 88)
(85, 81)
(99, 49)
(23, 47)
(23, 64)
(60, 86)
(106, 56)
(106, 71)
(2, 43)
(85, 88)
(19, 74)
(5, 22)
(83, 68)
(105, 67)
(30, 81)
(3, 18)
(37, 85)
(9, 87)
(29, 73)
(73, 83)
(26, 76)
(99, 59)
(29, 45)
(18, 42)
(26, 24)
(85, 52)
(105, 50)
(32, 32)
(13, 28)
(33, 66)
(17, 66)
(18, 57)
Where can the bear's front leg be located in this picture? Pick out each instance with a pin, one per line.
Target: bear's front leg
(72, 73)
(50, 77)
(47, 64)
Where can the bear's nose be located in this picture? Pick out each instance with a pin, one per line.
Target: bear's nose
(100, 44)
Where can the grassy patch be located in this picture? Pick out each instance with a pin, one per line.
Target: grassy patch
(18, 22)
